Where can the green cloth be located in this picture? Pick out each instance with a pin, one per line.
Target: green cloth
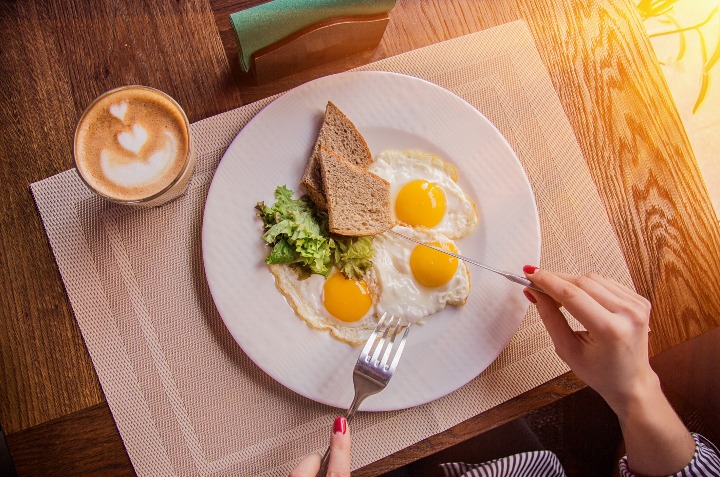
(265, 24)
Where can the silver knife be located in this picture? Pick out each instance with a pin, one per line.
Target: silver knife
(510, 276)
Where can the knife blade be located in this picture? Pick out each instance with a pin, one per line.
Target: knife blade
(510, 276)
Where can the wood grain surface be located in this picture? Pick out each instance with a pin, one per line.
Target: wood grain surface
(89, 436)
(57, 55)
(56, 58)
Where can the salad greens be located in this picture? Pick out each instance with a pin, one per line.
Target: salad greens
(299, 236)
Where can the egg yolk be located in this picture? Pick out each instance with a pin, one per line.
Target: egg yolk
(345, 299)
(420, 203)
(433, 268)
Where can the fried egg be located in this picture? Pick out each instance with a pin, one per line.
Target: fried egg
(337, 304)
(425, 192)
(414, 281)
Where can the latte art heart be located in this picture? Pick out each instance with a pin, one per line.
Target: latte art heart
(139, 173)
(119, 110)
(134, 140)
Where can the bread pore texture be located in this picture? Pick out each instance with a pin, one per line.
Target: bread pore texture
(358, 201)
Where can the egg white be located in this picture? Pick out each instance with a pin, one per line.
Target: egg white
(398, 291)
(401, 167)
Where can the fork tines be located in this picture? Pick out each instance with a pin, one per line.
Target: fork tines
(374, 348)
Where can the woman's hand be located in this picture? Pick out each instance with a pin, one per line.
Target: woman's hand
(339, 465)
(612, 355)
(612, 358)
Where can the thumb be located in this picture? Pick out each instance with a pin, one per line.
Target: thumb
(307, 467)
(339, 449)
(557, 326)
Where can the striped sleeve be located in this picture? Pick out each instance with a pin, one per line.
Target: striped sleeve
(526, 464)
(705, 462)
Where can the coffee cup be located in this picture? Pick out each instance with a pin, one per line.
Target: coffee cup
(133, 146)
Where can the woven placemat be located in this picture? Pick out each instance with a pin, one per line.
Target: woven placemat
(187, 400)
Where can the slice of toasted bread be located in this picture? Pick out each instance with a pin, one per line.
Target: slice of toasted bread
(338, 134)
(358, 201)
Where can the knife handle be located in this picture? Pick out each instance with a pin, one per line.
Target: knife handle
(522, 281)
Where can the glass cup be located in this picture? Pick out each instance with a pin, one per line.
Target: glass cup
(133, 146)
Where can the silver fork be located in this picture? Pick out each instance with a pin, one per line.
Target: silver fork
(372, 373)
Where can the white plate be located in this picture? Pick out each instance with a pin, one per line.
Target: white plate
(391, 111)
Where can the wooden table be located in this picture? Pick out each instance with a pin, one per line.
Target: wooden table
(57, 55)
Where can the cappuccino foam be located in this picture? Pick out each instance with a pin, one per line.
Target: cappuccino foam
(131, 144)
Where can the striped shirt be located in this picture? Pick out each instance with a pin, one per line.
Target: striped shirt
(705, 462)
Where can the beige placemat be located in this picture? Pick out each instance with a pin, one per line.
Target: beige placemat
(186, 399)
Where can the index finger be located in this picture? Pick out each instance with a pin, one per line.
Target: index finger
(582, 306)
(339, 449)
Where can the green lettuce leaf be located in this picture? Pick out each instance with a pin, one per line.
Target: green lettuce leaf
(353, 255)
(282, 252)
(298, 234)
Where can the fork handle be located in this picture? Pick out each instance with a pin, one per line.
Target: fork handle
(324, 464)
(348, 417)
(354, 406)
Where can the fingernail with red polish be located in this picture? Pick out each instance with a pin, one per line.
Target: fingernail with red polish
(340, 426)
(529, 296)
(529, 269)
